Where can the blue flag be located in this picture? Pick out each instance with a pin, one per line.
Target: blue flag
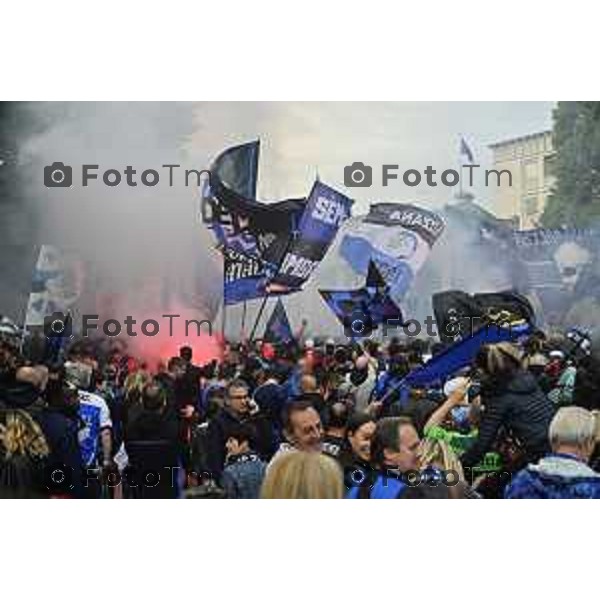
(369, 306)
(325, 212)
(463, 352)
(465, 151)
(278, 328)
(397, 236)
(268, 248)
(455, 357)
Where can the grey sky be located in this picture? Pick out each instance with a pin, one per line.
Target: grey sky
(299, 138)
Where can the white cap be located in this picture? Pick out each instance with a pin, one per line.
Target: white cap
(557, 354)
(453, 384)
(309, 344)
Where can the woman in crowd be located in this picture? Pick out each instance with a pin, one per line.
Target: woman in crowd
(307, 475)
(438, 460)
(356, 454)
(512, 401)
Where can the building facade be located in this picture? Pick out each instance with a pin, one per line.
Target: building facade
(530, 159)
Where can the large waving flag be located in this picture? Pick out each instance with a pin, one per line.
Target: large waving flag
(461, 354)
(371, 304)
(278, 328)
(458, 314)
(241, 223)
(57, 283)
(398, 237)
(326, 210)
(268, 248)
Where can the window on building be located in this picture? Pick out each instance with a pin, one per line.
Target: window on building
(531, 175)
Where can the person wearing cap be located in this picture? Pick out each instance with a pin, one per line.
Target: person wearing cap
(564, 473)
(448, 422)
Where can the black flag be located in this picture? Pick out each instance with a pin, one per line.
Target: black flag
(459, 314)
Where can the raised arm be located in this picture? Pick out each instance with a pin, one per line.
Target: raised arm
(454, 399)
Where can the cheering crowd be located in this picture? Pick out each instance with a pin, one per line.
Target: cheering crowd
(308, 419)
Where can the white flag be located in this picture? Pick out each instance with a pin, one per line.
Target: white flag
(56, 285)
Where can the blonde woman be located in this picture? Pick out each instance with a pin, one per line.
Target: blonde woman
(437, 454)
(303, 475)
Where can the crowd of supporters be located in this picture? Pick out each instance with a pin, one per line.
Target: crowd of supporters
(310, 419)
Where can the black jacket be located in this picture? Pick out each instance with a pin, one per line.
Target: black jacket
(520, 406)
(587, 384)
(152, 426)
(219, 431)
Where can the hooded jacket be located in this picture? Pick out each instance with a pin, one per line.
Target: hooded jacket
(520, 406)
(555, 476)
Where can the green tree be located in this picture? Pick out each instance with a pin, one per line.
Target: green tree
(575, 199)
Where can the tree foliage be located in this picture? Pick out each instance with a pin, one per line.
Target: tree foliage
(575, 199)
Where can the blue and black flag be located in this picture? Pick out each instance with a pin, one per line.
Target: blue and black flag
(458, 314)
(268, 248)
(369, 306)
(241, 223)
(278, 328)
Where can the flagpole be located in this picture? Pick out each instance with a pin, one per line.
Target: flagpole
(224, 309)
(258, 317)
(460, 169)
(290, 240)
(243, 328)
